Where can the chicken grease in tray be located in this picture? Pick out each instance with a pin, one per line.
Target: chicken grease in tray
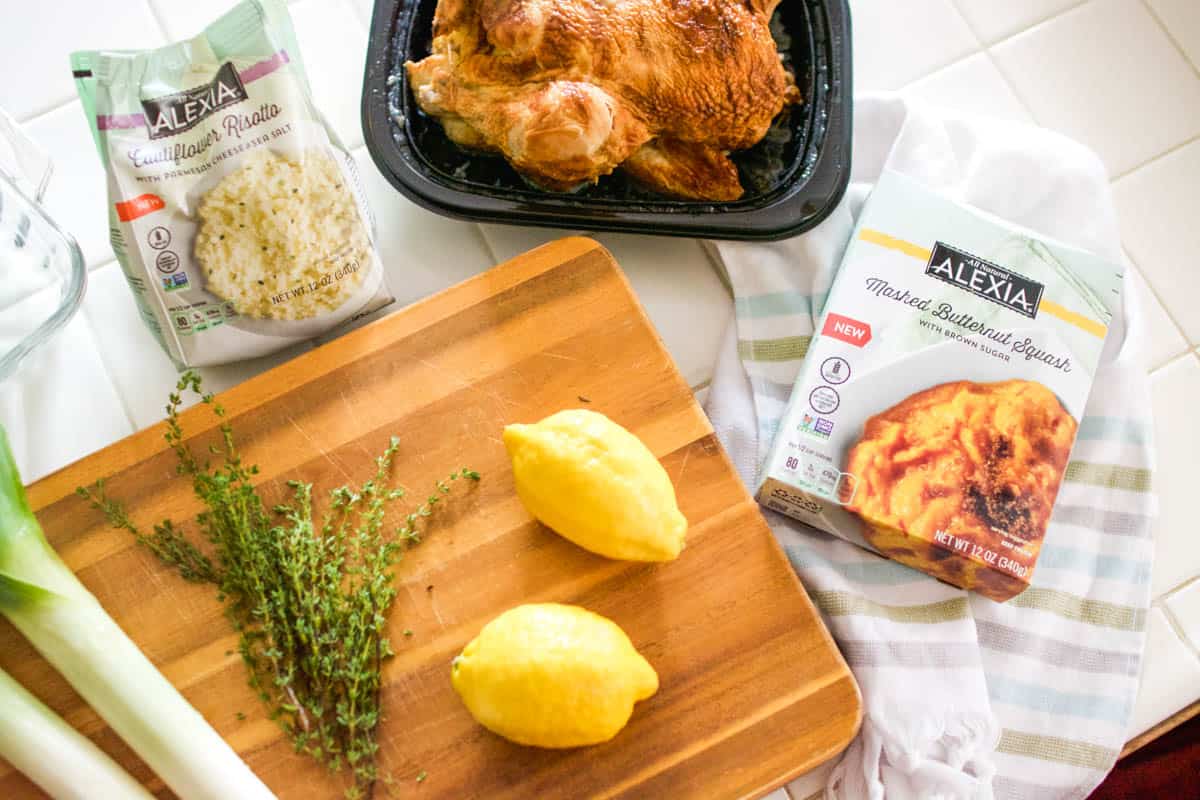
(569, 90)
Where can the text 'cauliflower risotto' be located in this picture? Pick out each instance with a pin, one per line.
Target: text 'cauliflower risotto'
(281, 238)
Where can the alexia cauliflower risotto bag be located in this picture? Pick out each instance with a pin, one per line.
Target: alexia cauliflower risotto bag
(939, 401)
(235, 212)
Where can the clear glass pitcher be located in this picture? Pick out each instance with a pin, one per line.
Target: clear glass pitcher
(42, 273)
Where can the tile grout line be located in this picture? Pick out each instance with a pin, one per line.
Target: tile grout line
(1169, 151)
(108, 370)
(44, 111)
(158, 20)
(1171, 37)
(1154, 369)
(953, 60)
(1195, 69)
(717, 263)
(1036, 23)
(1189, 353)
(1112, 180)
(1154, 294)
(979, 45)
(1174, 590)
(956, 6)
(957, 59)
(987, 53)
(1078, 5)
(487, 245)
(1177, 629)
(1012, 85)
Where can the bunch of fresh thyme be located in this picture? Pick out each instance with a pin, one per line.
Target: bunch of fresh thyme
(310, 604)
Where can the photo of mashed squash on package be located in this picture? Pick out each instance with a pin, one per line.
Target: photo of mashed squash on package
(935, 413)
(235, 212)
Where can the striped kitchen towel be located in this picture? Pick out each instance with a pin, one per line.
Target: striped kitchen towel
(965, 697)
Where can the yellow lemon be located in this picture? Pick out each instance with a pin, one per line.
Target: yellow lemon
(595, 483)
(552, 675)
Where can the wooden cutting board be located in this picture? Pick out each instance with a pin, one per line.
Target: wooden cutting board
(753, 691)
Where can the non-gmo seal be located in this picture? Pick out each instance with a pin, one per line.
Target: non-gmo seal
(824, 400)
(167, 262)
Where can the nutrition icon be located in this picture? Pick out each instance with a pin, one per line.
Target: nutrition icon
(158, 238)
(835, 370)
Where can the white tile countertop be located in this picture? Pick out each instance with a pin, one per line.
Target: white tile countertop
(1123, 76)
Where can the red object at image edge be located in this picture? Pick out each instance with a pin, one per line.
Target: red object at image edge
(1167, 767)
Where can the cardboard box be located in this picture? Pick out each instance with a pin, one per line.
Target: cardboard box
(941, 395)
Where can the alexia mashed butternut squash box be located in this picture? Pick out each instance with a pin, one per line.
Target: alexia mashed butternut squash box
(939, 401)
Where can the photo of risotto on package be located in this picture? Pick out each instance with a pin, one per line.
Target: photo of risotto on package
(235, 212)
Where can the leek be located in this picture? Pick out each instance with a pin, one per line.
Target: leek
(55, 756)
(46, 602)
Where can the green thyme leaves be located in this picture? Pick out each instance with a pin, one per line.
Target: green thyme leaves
(309, 600)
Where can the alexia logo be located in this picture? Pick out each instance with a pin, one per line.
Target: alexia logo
(985, 279)
(176, 113)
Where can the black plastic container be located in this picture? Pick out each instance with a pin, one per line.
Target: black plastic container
(793, 178)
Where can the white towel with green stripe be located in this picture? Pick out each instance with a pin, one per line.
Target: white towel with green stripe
(965, 697)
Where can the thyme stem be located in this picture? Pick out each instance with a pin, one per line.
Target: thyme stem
(310, 603)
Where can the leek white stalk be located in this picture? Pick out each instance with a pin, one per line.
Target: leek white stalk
(46, 602)
(55, 756)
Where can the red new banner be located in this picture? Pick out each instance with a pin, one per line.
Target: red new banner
(847, 329)
(139, 207)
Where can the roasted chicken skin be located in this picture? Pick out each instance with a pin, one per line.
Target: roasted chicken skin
(569, 90)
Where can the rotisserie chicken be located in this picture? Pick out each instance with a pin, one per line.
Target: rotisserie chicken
(569, 90)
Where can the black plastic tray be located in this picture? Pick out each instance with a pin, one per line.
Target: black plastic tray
(794, 177)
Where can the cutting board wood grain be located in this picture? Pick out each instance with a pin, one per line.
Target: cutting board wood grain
(753, 691)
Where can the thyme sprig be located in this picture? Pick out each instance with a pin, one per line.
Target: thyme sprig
(310, 602)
